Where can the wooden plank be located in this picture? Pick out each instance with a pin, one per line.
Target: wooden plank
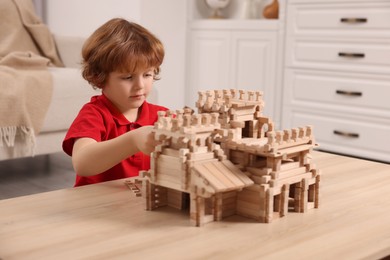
(169, 159)
(293, 179)
(222, 176)
(245, 179)
(169, 166)
(259, 171)
(178, 173)
(289, 173)
(201, 156)
(289, 165)
(209, 177)
(169, 184)
(171, 152)
(230, 175)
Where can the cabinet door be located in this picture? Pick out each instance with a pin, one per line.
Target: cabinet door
(254, 64)
(209, 63)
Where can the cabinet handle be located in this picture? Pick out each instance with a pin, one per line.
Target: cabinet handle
(353, 20)
(346, 134)
(351, 55)
(349, 93)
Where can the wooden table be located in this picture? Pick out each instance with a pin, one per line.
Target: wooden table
(107, 221)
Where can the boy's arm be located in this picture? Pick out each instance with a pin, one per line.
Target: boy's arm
(90, 157)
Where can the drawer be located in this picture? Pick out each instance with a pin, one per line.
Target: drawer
(341, 134)
(370, 18)
(349, 55)
(354, 91)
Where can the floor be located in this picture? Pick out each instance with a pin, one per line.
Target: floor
(34, 175)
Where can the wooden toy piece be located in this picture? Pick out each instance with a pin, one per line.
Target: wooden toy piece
(134, 186)
(229, 159)
(209, 100)
(279, 137)
(294, 134)
(233, 93)
(309, 131)
(287, 136)
(302, 132)
(187, 111)
(201, 99)
(242, 93)
(218, 101)
(259, 94)
(251, 95)
(196, 120)
(227, 102)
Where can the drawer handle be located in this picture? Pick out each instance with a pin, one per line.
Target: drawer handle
(349, 93)
(353, 20)
(351, 55)
(346, 134)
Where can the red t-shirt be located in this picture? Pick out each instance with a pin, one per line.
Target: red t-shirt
(100, 120)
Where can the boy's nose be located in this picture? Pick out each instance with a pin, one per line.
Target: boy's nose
(139, 83)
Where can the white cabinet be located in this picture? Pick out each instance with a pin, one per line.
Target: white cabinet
(225, 58)
(235, 54)
(337, 74)
(208, 61)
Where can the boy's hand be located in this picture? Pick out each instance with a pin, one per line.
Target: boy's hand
(144, 140)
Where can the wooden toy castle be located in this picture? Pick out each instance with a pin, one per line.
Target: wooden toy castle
(227, 159)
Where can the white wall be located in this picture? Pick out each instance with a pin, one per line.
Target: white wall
(168, 20)
(81, 18)
(165, 18)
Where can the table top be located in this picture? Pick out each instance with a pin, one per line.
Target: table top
(107, 221)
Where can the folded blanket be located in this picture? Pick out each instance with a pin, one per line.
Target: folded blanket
(27, 48)
(24, 98)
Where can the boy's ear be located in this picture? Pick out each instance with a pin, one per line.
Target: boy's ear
(98, 81)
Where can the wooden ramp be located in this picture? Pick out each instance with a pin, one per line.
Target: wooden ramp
(220, 176)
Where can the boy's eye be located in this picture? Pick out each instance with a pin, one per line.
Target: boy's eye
(128, 77)
(148, 73)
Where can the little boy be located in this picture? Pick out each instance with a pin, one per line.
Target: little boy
(111, 136)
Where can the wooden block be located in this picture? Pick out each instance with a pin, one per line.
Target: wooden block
(191, 163)
(265, 179)
(269, 206)
(229, 194)
(257, 188)
(249, 196)
(217, 211)
(248, 212)
(257, 179)
(237, 124)
(284, 197)
(304, 196)
(242, 117)
(168, 183)
(171, 152)
(167, 159)
(288, 173)
(248, 205)
(289, 165)
(317, 188)
(200, 156)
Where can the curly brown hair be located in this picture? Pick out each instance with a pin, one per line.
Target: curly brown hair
(120, 45)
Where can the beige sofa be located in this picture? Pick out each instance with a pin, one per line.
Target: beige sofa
(70, 92)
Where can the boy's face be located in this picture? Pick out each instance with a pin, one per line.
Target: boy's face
(128, 91)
